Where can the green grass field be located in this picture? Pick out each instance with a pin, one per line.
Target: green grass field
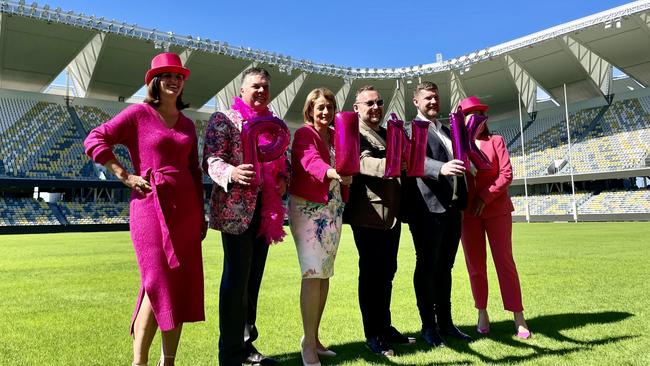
(67, 299)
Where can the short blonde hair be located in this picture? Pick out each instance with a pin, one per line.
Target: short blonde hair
(311, 99)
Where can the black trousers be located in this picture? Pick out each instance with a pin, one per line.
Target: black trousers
(244, 258)
(377, 266)
(436, 238)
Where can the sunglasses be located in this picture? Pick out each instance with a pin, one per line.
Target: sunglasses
(480, 113)
(370, 103)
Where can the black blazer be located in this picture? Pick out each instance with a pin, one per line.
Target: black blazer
(434, 192)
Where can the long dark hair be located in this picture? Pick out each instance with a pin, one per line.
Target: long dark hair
(153, 95)
(486, 131)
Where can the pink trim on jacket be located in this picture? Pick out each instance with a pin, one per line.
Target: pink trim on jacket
(310, 161)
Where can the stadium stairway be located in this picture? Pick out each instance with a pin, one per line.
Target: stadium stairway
(74, 117)
(89, 169)
(583, 199)
(58, 214)
(514, 139)
(592, 125)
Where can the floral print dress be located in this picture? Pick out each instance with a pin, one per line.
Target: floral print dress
(316, 230)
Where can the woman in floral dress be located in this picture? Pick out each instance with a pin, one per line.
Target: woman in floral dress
(318, 195)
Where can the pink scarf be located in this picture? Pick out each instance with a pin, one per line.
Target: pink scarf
(273, 210)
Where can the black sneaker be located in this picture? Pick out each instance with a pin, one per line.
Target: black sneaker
(378, 346)
(393, 336)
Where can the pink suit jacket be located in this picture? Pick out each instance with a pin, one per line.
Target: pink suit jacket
(492, 185)
(310, 161)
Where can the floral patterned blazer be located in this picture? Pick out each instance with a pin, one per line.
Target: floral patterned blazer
(231, 205)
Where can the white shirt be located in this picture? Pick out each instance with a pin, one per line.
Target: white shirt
(436, 128)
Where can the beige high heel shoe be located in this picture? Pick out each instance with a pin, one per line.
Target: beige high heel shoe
(305, 363)
(162, 362)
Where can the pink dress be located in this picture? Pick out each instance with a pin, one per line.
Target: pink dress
(166, 223)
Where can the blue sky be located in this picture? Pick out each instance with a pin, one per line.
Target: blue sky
(349, 33)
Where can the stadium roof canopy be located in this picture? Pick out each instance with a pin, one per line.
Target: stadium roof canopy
(108, 59)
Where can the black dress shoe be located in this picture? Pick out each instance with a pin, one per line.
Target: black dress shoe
(393, 336)
(378, 345)
(451, 331)
(432, 337)
(254, 357)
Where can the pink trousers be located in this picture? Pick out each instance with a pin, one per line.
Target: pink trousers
(499, 234)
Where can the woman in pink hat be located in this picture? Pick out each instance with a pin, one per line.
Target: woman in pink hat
(490, 212)
(166, 211)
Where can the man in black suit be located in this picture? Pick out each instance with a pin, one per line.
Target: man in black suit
(432, 207)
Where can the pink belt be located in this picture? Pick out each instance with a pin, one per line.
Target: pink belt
(157, 178)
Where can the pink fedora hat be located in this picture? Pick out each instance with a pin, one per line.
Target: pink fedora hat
(166, 62)
(472, 103)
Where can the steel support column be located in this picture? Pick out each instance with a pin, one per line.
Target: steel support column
(280, 104)
(83, 65)
(599, 70)
(225, 96)
(458, 92)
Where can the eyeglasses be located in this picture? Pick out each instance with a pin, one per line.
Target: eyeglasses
(370, 103)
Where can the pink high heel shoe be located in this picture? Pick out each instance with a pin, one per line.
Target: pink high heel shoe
(523, 334)
(483, 330)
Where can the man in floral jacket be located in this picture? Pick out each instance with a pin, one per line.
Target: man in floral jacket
(236, 210)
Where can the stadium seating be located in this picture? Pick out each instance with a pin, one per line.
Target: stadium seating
(618, 202)
(95, 213)
(618, 140)
(49, 149)
(92, 117)
(548, 204)
(25, 212)
(607, 203)
(11, 110)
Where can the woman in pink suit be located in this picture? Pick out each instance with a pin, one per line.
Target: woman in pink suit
(490, 212)
(166, 211)
(318, 196)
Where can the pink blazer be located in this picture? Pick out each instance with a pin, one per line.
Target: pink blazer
(310, 160)
(492, 185)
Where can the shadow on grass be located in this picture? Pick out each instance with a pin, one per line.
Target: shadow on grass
(549, 326)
